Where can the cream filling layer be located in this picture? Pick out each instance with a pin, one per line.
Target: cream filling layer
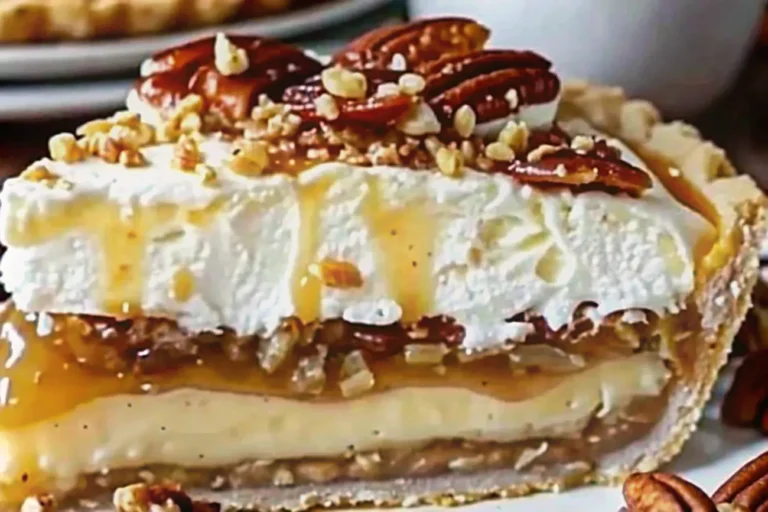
(243, 253)
(195, 428)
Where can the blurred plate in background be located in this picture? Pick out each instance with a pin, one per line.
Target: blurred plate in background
(37, 61)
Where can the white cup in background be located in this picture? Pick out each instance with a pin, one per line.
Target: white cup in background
(680, 54)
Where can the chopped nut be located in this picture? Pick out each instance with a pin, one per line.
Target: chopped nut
(126, 118)
(357, 384)
(191, 123)
(387, 89)
(411, 84)
(515, 135)
(282, 477)
(433, 145)
(398, 63)
(250, 158)
(326, 107)
(93, 127)
(207, 174)
(469, 151)
(108, 149)
(542, 151)
(464, 121)
(41, 503)
(449, 161)
(337, 274)
(273, 350)
(131, 158)
(190, 103)
(425, 353)
(528, 455)
(40, 173)
(230, 60)
(499, 152)
(420, 120)
(64, 148)
(186, 154)
(359, 378)
(309, 376)
(132, 498)
(582, 143)
(513, 99)
(344, 83)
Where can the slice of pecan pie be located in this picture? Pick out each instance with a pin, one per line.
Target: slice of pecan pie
(422, 272)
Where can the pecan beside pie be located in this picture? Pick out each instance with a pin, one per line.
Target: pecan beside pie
(424, 272)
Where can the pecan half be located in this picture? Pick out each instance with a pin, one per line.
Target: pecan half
(417, 42)
(600, 167)
(753, 335)
(371, 110)
(483, 80)
(747, 489)
(662, 492)
(746, 403)
(177, 72)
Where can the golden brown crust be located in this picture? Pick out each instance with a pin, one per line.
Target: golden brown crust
(52, 20)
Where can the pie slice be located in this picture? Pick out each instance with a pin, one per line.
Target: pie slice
(422, 272)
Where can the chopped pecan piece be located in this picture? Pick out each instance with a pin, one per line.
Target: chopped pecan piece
(746, 403)
(747, 489)
(601, 167)
(483, 80)
(410, 45)
(373, 109)
(662, 492)
(273, 66)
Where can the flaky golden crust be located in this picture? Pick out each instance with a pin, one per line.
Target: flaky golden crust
(53, 20)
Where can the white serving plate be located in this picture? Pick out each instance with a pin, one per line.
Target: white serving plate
(50, 101)
(74, 59)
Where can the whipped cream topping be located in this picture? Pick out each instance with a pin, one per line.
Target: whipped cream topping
(480, 248)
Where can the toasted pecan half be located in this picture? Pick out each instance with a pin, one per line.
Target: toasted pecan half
(747, 489)
(417, 43)
(177, 72)
(662, 492)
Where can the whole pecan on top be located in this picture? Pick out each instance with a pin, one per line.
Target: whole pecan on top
(373, 109)
(747, 489)
(495, 83)
(600, 167)
(417, 43)
(190, 68)
(746, 403)
(662, 492)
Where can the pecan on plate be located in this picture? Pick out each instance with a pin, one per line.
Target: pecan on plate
(746, 403)
(495, 83)
(601, 167)
(191, 68)
(747, 489)
(373, 109)
(662, 492)
(405, 47)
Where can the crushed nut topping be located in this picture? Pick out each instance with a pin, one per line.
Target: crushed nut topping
(229, 59)
(515, 135)
(250, 158)
(64, 148)
(344, 83)
(542, 151)
(337, 274)
(186, 154)
(387, 89)
(582, 143)
(450, 161)
(420, 120)
(411, 84)
(326, 107)
(464, 121)
(500, 152)
(358, 377)
(512, 98)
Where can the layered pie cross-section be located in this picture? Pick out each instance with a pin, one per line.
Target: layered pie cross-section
(424, 271)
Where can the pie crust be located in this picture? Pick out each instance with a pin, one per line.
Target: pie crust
(52, 20)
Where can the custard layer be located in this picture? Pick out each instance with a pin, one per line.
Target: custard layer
(197, 428)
